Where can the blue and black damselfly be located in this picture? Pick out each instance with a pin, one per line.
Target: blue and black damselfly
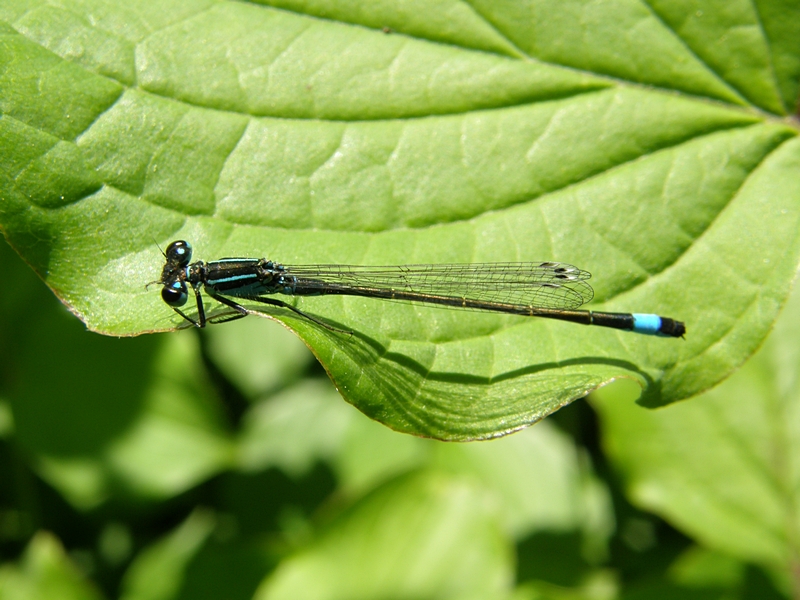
(547, 289)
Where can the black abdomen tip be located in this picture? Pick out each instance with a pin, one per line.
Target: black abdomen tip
(672, 328)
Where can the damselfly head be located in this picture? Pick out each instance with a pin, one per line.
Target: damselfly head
(177, 256)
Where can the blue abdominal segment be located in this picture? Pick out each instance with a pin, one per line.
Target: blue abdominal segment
(647, 324)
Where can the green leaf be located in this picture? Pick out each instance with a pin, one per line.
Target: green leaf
(541, 483)
(257, 356)
(153, 439)
(723, 468)
(700, 567)
(157, 572)
(294, 429)
(198, 560)
(45, 571)
(713, 49)
(406, 540)
(637, 141)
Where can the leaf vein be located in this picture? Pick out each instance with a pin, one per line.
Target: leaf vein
(646, 4)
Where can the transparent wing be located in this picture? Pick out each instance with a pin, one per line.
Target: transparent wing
(543, 285)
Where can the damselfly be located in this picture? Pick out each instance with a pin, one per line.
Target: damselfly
(547, 289)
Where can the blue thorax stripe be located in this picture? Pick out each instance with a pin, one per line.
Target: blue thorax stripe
(213, 282)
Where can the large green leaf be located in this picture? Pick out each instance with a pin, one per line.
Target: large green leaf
(636, 140)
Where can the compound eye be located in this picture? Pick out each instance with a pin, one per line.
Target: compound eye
(175, 293)
(179, 252)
